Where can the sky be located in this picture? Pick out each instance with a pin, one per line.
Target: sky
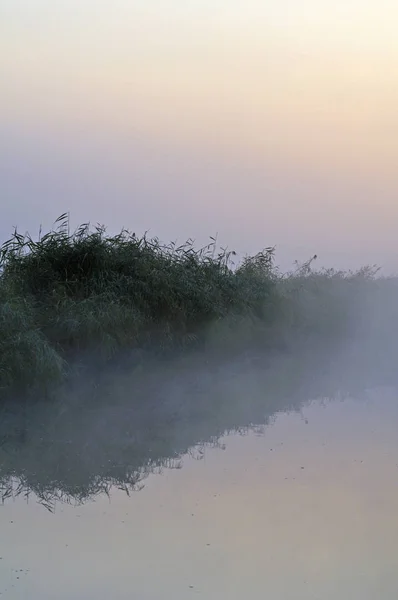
(264, 122)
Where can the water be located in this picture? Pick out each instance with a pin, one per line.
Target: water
(303, 508)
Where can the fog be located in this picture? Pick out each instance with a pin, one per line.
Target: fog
(281, 463)
(112, 426)
(264, 463)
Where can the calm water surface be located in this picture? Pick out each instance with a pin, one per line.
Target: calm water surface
(305, 508)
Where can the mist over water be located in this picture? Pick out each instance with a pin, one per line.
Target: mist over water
(306, 506)
(261, 462)
(266, 474)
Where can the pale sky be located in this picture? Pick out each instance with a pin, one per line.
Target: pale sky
(265, 122)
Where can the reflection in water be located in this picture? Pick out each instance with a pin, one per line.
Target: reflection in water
(301, 504)
(116, 432)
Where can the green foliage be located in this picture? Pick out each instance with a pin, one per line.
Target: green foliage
(26, 356)
(73, 294)
(69, 295)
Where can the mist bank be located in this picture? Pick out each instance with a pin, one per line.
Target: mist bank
(120, 354)
(114, 429)
(75, 303)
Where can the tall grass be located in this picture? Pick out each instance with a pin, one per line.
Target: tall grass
(87, 293)
(90, 297)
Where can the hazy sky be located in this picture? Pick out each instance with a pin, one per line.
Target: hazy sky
(269, 122)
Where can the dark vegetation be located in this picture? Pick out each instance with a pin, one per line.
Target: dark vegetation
(80, 300)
